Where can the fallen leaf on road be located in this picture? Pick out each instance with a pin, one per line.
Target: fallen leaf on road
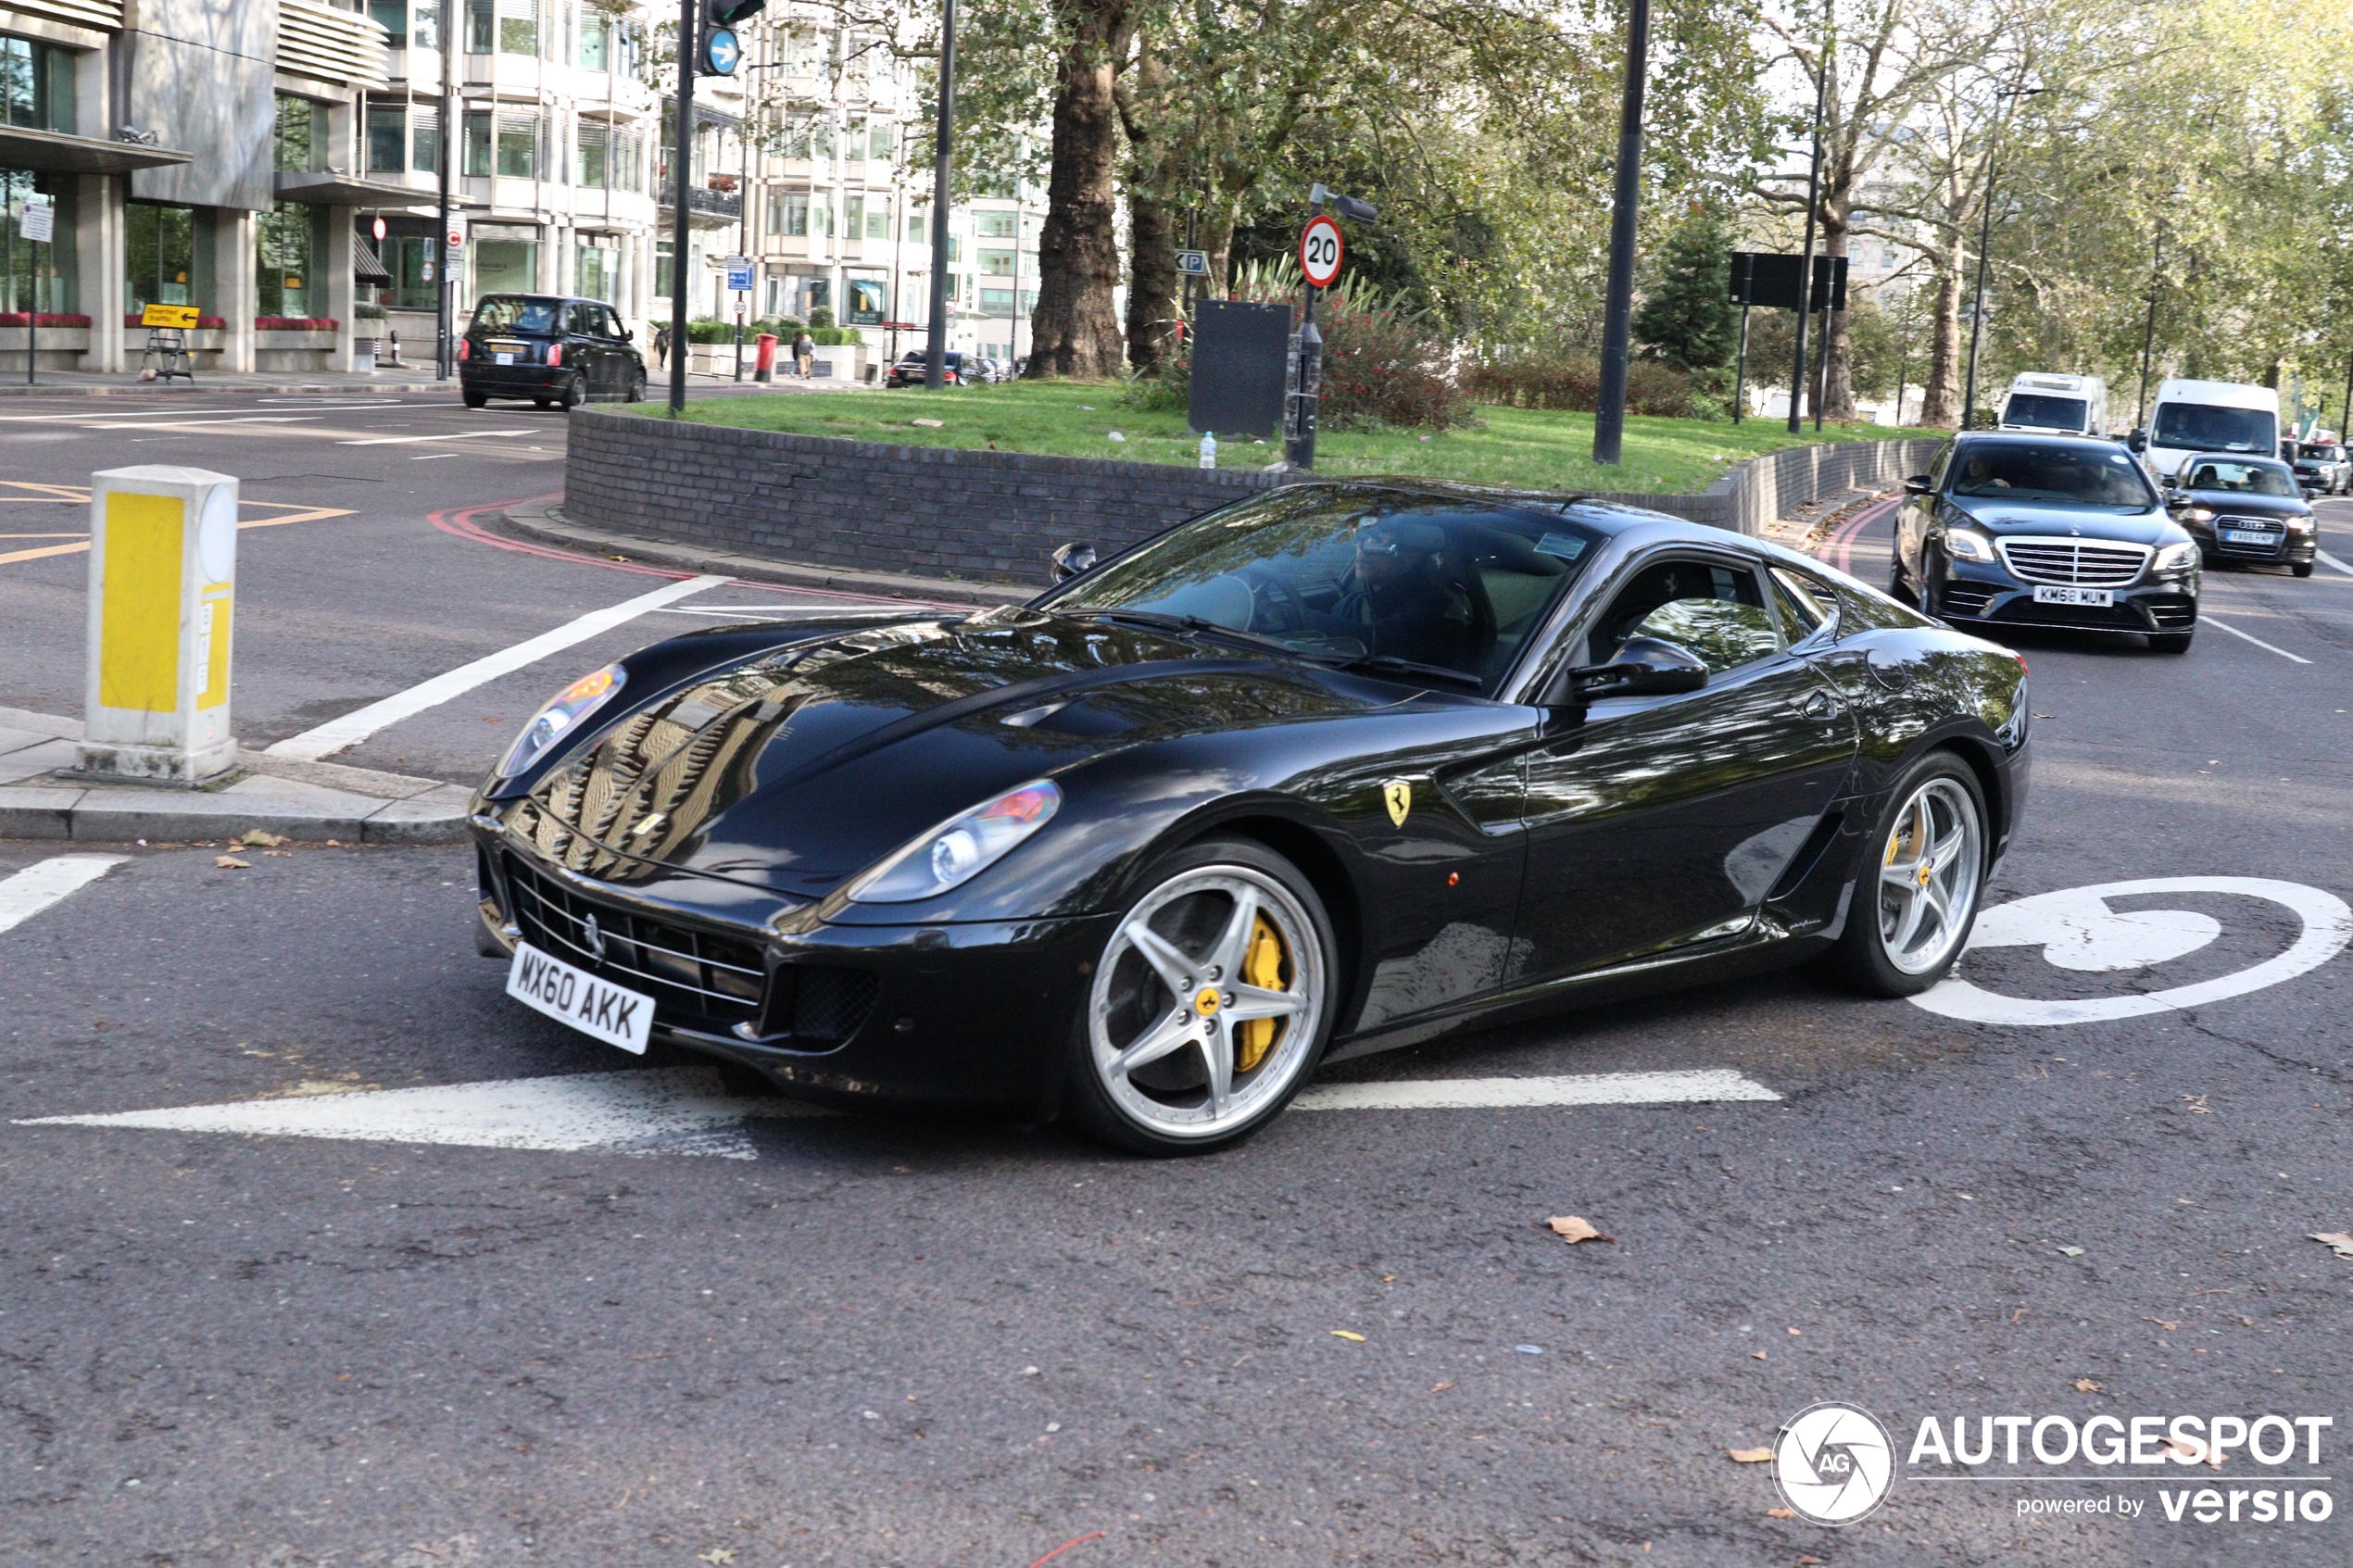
(1797, 1331)
(1343, 1333)
(256, 838)
(1574, 1228)
(1808, 1562)
(1758, 1356)
(2335, 1241)
(2168, 1327)
(1781, 1513)
(2086, 1385)
(231, 863)
(717, 1554)
(1750, 1456)
(2189, 1452)
(2197, 1105)
(1439, 1387)
(2070, 1252)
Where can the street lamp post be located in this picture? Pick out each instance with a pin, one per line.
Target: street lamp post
(682, 152)
(2148, 334)
(1985, 241)
(452, 134)
(1618, 314)
(1805, 268)
(936, 368)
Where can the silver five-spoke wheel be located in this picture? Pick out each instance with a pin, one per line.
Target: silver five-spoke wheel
(1207, 1003)
(1929, 872)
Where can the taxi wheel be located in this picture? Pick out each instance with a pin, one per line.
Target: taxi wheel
(474, 399)
(636, 393)
(574, 393)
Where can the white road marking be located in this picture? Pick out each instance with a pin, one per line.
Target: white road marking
(201, 425)
(1583, 1088)
(435, 457)
(355, 727)
(672, 1110)
(412, 440)
(2331, 560)
(41, 885)
(2216, 621)
(2077, 931)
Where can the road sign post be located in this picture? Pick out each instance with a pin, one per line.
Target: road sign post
(163, 567)
(37, 223)
(739, 284)
(1321, 250)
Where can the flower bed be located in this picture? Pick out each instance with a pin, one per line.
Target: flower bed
(294, 323)
(215, 322)
(46, 318)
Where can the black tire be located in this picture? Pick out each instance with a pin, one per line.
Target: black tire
(636, 391)
(473, 399)
(2171, 642)
(2302, 568)
(1179, 898)
(1860, 961)
(574, 393)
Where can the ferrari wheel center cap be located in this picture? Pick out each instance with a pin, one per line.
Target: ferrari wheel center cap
(1206, 1003)
(1925, 876)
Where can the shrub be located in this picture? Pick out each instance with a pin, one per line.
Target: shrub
(821, 316)
(1571, 379)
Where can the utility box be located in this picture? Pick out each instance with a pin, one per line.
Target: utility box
(163, 566)
(1239, 353)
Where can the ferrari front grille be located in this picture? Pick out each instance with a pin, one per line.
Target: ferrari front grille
(698, 980)
(2074, 563)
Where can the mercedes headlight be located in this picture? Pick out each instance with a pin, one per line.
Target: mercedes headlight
(2175, 558)
(1962, 545)
(959, 849)
(562, 715)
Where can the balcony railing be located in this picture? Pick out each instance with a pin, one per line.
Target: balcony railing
(706, 204)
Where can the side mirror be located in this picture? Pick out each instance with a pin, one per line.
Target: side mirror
(1918, 484)
(1644, 667)
(2138, 441)
(1073, 559)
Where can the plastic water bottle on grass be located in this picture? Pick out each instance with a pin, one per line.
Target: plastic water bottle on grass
(1209, 448)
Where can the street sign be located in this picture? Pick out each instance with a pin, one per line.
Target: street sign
(720, 52)
(1320, 249)
(1771, 283)
(380, 230)
(1193, 263)
(739, 274)
(37, 222)
(180, 317)
(455, 239)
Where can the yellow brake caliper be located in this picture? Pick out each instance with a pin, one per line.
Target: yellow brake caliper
(1263, 968)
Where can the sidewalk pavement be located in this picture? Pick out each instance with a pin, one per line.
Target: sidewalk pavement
(312, 802)
(407, 379)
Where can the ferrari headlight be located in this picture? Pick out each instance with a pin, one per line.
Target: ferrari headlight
(560, 716)
(2174, 558)
(1962, 545)
(959, 849)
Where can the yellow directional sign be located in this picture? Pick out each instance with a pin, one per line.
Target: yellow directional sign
(181, 316)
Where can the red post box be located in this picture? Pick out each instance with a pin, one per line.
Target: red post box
(766, 369)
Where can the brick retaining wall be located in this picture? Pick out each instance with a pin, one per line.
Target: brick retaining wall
(936, 512)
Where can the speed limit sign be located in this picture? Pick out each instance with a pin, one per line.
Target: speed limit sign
(1319, 251)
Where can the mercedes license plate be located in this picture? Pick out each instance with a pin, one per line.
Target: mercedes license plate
(502, 358)
(577, 998)
(2245, 537)
(2097, 598)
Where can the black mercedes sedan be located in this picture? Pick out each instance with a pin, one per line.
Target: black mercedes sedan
(554, 350)
(2247, 511)
(2045, 531)
(1336, 768)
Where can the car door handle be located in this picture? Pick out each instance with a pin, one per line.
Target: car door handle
(1820, 704)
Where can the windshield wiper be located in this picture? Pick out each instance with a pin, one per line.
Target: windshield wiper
(1389, 664)
(1193, 623)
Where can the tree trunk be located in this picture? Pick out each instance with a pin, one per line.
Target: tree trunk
(1075, 331)
(1838, 399)
(1941, 393)
(1153, 315)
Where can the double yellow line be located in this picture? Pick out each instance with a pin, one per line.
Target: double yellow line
(74, 495)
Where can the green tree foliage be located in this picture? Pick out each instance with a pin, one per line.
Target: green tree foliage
(1688, 317)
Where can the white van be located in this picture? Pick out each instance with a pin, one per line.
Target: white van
(2208, 416)
(2057, 404)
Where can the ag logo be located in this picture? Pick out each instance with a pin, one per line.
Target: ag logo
(1834, 1464)
(1399, 794)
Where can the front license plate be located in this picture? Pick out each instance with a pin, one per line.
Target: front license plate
(502, 358)
(2098, 598)
(2245, 537)
(577, 998)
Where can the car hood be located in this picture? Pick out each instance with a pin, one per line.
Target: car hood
(796, 770)
(2240, 504)
(2003, 516)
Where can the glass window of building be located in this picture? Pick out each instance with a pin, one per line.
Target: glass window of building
(387, 138)
(596, 40)
(425, 139)
(594, 165)
(663, 267)
(393, 17)
(996, 302)
(409, 257)
(518, 145)
(506, 267)
(853, 215)
(518, 27)
(37, 82)
(993, 225)
(159, 257)
(597, 272)
(628, 161)
(288, 241)
(796, 214)
(999, 263)
(301, 137)
(35, 276)
(879, 218)
(424, 24)
(878, 139)
(477, 141)
(481, 25)
(867, 299)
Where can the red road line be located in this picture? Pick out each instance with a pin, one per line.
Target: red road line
(459, 521)
(1842, 541)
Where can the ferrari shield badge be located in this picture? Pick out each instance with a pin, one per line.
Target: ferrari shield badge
(1399, 794)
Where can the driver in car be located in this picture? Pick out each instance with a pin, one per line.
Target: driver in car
(1413, 593)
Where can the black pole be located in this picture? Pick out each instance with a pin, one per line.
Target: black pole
(682, 155)
(1740, 373)
(2148, 337)
(1822, 346)
(1618, 317)
(1976, 311)
(452, 148)
(1903, 359)
(936, 372)
(743, 233)
(1300, 451)
(2344, 420)
(33, 313)
(1805, 268)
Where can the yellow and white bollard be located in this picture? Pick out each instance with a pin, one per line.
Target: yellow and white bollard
(163, 564)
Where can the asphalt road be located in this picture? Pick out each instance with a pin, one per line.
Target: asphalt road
(655, 1325)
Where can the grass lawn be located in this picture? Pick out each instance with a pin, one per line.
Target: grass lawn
(1515, 447)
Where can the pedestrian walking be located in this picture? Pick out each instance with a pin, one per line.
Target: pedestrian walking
(661, 347)
(804, 353)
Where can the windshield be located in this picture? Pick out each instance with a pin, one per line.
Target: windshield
(2091, 476)
(2322, 453)
(2250, 479)
(512, 313)
(2202, 427)
(1350, 573)
(2050, 413)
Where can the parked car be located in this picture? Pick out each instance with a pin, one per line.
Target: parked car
(913, 366)
(2322, 467)
(2045, 531)
(1323, 773)
(550, 348)
(2246, 510)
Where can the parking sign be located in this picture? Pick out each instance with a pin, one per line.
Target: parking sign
(739, 274)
